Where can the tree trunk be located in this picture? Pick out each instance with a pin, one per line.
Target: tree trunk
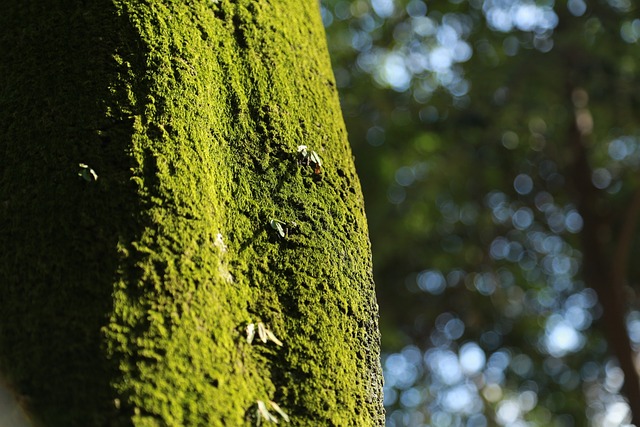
(154, 206)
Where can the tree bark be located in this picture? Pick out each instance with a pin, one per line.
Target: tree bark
(146, 150)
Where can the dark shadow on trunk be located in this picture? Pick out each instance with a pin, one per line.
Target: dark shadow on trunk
(62, 230)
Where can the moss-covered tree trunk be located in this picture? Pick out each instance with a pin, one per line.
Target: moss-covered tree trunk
(155, 207)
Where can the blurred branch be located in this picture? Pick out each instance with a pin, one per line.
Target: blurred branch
(603, 271)
(625, 239)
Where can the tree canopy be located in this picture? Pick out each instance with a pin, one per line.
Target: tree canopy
(498, 144)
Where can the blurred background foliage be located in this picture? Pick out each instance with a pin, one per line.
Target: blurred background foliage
(498, 146)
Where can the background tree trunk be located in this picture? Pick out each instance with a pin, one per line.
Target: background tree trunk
(145, 149)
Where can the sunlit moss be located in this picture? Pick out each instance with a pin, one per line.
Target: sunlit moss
(127, 296)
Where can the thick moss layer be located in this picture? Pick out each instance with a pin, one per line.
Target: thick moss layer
(126, 297)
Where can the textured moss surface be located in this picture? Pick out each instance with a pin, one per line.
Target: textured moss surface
(125, 298)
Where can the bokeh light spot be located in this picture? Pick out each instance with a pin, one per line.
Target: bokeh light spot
(431, 281)
(577, 7)
(562, 338)
(601, 178)
(522, 218)
(472, 358)
(523, 184)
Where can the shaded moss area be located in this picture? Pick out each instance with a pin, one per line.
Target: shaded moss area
(126, 298)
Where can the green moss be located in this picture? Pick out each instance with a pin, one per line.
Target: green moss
(131, 294)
